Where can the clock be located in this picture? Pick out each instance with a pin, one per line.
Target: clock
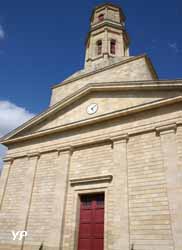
(92, 108)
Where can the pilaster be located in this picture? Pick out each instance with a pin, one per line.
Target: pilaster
(122, 45)
(4, 178)
(169, 151)
(120, 228)
(32, 161)
(105, 47)
(57, 220)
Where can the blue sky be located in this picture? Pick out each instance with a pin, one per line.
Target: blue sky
(42, 42)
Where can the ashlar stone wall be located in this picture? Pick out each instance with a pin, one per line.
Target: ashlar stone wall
(138, 170)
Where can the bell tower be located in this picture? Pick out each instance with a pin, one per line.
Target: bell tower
(107, 41)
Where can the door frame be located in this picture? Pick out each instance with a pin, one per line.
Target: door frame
(76, 212)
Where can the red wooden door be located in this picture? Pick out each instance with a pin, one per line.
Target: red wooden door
(91, 227)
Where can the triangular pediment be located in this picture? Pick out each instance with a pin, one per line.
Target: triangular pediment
(110, 99)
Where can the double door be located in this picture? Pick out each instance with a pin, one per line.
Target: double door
(91, 225)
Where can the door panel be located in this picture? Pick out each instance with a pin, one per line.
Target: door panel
(85, 244)
(86, 216)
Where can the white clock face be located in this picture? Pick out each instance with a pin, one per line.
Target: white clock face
(92, 108)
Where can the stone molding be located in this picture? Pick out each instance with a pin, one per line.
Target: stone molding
(64, 149)
(107, 138)
(107, 23)
(70, 148)
(91, 179)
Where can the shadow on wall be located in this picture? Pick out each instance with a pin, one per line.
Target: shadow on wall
(41, 246)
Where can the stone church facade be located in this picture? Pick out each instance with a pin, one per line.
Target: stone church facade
(101, 168)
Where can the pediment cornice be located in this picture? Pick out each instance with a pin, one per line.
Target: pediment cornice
(89, 88)
(13, 136)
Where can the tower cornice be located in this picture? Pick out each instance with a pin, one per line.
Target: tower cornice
(106, 25)
(108, 5)
(107, 22)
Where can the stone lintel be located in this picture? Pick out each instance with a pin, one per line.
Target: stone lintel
(91, 179)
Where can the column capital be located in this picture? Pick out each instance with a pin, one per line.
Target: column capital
(34, 154)
(8, 159)
(66, 149)
(119, 138)
(166, 129)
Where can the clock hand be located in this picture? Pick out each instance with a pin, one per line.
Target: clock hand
(93, 107)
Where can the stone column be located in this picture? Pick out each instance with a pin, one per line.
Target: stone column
(57, 220)
(169, 152)
(120, 228)
(4, 178)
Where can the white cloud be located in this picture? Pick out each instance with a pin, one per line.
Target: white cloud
(11, 116)
(174, 46)
(2, 33)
